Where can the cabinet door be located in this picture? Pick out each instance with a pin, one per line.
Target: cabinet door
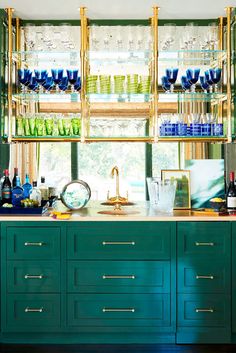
(120, 240)
(204, 239)
(24, 243)
(118, 276)
(234, 277)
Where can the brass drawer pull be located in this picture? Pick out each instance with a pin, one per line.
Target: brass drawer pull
(204, 244)
(204, 277)
(111, 310)
(204, 310)
(118, 277)
(118, 243)
(27, 243)
(33, 310)
(33, 276)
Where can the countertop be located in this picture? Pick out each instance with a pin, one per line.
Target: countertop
(143, 213)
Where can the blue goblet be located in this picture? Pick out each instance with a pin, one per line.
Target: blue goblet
(209, 80)
(77, 85)
(57, 75)
(166, 85)
(63, 85)
(171, 75)
(186, 85)
(41, 76)
(48, 84)
(215, 75)
(204, 84)
(192, 76)
(72, 77)
(33, 84)
(24, 76)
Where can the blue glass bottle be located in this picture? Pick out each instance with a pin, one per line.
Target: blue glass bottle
(27, 187)
(17, 193)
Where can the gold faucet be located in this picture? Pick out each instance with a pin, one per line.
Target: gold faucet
(116, 199)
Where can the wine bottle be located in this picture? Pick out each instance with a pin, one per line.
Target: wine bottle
(27, 187)
(231, 193)
(6, 188)
(14, 178)
(17, 193)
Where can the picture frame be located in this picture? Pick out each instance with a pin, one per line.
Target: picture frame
(182, 195)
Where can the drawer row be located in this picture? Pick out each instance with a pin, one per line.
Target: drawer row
(145, 241)
(43, 312)
(118, 277)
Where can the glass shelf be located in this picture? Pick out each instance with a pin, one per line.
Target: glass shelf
(192, 97)
(196, 56)
(33, 58)
(47, 97)
(139, 97)
(119, 57)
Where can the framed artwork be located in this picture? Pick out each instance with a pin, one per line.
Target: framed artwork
(182, 195)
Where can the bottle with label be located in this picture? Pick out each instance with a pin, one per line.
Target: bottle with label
(1, 182)
(27, 187)
(35, 193)
(17, 193)
(44, 189)
(6, 188)
(231, 193)
(14, 178)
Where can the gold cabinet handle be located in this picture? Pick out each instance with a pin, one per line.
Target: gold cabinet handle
(28, 243)
(33, 310)
(33, 276)
(118, 243)
(117, 310)
(204, 244)
(118, 277)
(204, 310)
(204, 277)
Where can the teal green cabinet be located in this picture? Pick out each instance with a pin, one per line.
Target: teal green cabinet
(233, 278)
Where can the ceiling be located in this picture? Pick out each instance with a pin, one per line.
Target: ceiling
(117, 9)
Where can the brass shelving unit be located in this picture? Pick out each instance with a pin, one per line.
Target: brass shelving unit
(150, 109)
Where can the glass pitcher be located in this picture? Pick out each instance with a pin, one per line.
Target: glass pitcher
(162, 194)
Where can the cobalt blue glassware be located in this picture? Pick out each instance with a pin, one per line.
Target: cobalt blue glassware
(72, 77)
(77, 85)
(48, 84)
(209, 80)
(193, 76)
(33, 84)
(186, 85)
(64, 84)
(57, 75)
(204, 84)
(41, 76)
(215, 75)
(24, 76)
(171, 75)
(166, 85)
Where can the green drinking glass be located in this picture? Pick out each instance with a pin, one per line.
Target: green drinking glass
(49, 125)
(67, 126)
(39, 123)
(26, 126)
(19, 126)
(76, 124)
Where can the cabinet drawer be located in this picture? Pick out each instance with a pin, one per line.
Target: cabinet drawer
(119, 310)
(204, 310)
(120, 240)
(32, 312)
(118, 276)
(206, 277)
(203, 239)
(33, 243)
(33, 276)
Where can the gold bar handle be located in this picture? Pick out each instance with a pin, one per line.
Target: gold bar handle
(118, 310)
(118, 243)
(33, 276)
(204, 244)
(118, 277)
(204, 277)
(33, 310)
(27, 243)
(204, 310)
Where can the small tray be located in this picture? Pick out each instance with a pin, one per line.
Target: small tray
(23, 211)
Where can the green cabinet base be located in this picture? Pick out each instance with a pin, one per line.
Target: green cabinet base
(203, 335)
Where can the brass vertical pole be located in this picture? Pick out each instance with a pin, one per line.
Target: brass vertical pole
(155, 72)
(228, 46)
(9, 11)
(220, 47)
(84, 39)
